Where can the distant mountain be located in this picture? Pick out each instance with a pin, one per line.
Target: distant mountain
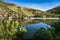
(55, 10)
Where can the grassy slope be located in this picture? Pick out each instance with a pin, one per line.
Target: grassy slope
(29, 11)
(55, 10)
(10, 9)
(22, 10)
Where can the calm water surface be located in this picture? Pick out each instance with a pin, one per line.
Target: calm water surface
(31, 28)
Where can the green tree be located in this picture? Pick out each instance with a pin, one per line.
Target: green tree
(20, 33)
(53, 33)
(9, 31)
(1, 31)
(43, 34)
(10, 28)
(56, 25)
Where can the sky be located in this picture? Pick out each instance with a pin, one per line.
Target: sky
(36, 4)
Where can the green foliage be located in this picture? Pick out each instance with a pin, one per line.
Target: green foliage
(43, 34)
(8, 30)
(46, 34)
(1, 30)
(21, 32)
(23, 29)
(56, 25)
(55, 10)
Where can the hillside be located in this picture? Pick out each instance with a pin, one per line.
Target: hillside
(55, 10)
(8, 9)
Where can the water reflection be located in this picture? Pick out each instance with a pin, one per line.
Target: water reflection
(33, 27)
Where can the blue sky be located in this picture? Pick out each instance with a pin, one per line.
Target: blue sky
(36, 4)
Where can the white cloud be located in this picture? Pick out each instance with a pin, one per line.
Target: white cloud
(41, 6)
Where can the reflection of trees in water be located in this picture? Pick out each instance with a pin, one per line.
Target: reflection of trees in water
(22, 21)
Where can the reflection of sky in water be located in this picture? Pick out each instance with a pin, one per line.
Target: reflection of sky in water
(31, 28)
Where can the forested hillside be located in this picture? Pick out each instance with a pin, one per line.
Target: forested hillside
(55, 10)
